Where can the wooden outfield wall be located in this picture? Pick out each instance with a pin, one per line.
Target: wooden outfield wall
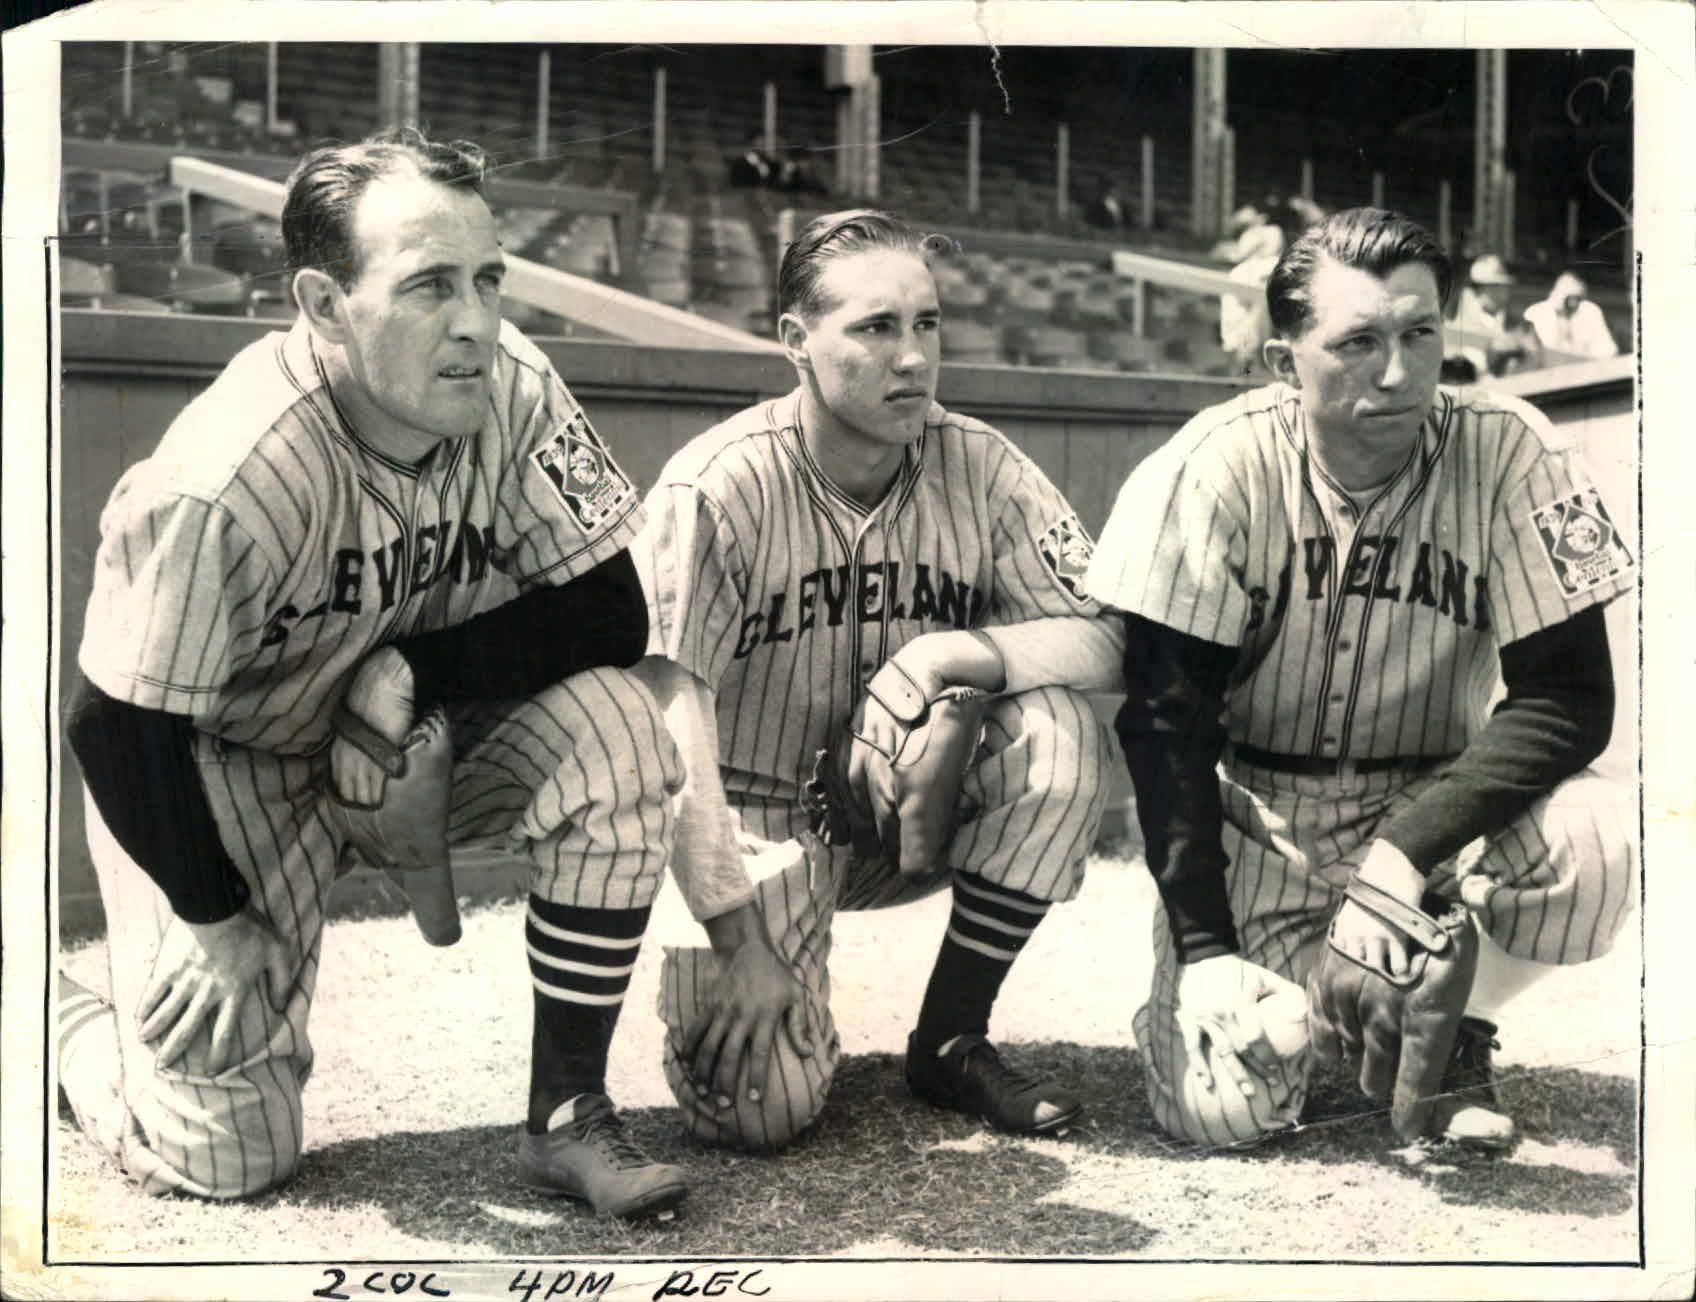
(125, 376)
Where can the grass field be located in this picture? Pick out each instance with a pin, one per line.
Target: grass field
(414, 1107)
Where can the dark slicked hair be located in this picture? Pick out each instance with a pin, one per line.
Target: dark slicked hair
(326, 186)
(835, 235)
(1372, 239)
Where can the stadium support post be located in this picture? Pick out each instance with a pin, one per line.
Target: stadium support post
(1147, 179)
(544, 70)
(659, 119)
(270, 88)
(1489, 150)
(1062, 168)
(1510, 184)
(397, 83)
(974, 129)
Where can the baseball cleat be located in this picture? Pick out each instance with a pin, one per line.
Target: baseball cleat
(589, 1158)
(1470, 1113)
(971, 1078)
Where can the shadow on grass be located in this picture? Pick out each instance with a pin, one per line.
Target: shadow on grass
(1552, 1108)
(869, 1172)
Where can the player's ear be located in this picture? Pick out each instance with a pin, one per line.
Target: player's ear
(320, 301)
(792, 334)
(1281, 360)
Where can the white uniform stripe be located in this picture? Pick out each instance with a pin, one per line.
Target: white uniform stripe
(582, 969)
(1037, 909)
(1004, 955)
(569, 995)
(581, 937)
(984, 920)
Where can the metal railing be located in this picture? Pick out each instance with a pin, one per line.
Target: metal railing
(576, 298)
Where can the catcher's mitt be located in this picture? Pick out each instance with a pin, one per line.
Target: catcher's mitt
(405, 832)
(1402, 1029)
(900, 801)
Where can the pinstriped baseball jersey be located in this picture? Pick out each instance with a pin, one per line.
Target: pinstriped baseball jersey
(250, 564)
(1368, 624)
(785, 596)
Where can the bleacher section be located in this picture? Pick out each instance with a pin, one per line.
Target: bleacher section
(701, 244)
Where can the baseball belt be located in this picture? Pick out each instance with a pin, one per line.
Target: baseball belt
(1330, 766)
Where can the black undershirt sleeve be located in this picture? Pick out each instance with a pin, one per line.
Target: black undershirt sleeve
(1172, 730)
(545, 635)
(1556, 718)
(139, 763)
(139, 766)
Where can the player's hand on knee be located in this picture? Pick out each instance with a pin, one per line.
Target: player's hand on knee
(1240, 1017)
(1365, 938)
(381, 694)
(203, 975)
(757, 997)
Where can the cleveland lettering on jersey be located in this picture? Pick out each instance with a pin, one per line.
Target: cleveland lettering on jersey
(943, 599)
(428, 559)
(1377, 568)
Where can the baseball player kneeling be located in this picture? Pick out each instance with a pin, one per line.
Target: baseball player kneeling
(370, 597)
(872, 645)
(1324, 580)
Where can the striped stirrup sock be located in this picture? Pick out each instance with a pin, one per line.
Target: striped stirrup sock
(988, 927)
(580, 965)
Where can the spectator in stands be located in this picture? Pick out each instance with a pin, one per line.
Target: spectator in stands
(1108, 210)
(1568, 322)
(1253, 234)
(796, 174)
(1304, 212)
(753, 167)
(1493, 344)
(1258, 240)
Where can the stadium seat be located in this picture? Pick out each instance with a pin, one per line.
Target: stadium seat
(187, 286)
(968, 341)
(1126, 351)
(81, 281)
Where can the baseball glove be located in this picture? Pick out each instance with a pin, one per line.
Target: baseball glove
(898, 798)
(405, 833)
(1402, 1029)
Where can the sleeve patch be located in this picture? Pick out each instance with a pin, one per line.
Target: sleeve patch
(1580, 541)
(1067, 549)
(582, 474)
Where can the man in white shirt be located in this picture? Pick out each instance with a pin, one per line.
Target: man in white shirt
(1568, 322)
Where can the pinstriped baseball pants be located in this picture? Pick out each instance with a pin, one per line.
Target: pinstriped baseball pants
(577, 779)
(1554, 886)
(1039, 783)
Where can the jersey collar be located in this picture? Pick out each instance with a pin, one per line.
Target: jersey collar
(306, 369)
(786, 419)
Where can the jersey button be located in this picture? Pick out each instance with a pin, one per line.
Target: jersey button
(1345, 645)
(1336, 698)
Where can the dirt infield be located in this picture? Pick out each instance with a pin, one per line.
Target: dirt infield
(413, 1109)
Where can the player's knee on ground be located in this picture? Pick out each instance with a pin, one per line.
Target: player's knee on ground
(794, 1091)
(220, 1142)
(1220, 1117)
